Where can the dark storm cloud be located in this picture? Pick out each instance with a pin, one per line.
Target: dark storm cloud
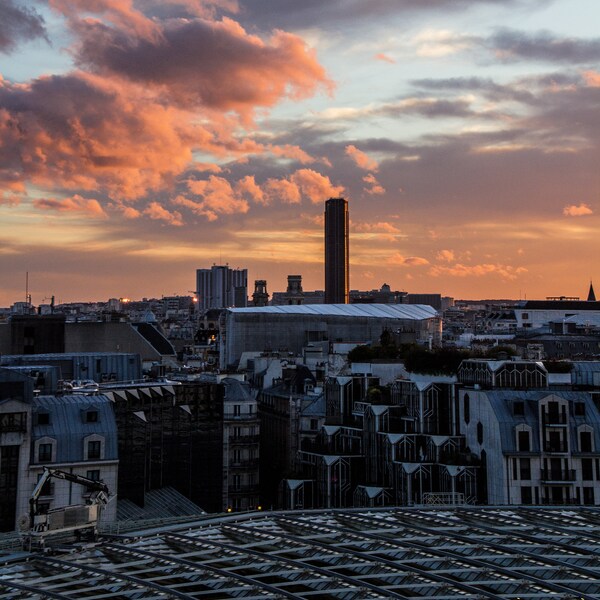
(18, 23)
(510, 45)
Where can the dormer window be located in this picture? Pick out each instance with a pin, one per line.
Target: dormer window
(43, 418)
(91, 416)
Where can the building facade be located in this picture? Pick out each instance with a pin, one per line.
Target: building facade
(221, 287)
(337, 247)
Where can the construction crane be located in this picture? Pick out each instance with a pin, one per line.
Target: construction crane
(79, 518)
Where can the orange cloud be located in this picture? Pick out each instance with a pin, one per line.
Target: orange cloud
(159, 213)
(314, 186)
(361, 159)
(381, 227)
(410, 261)
(460, 270)
(572, 210)
(445, 255)
(282, 190)
(376, 188)
(247, 186)
(76, 203)
(592, 78)
(218, 197)
(205, 63)
(293, 152)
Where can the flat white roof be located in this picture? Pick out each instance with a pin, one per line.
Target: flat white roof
(379, 311)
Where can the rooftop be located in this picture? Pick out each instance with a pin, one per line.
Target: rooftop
(463, 552)
(379, 311)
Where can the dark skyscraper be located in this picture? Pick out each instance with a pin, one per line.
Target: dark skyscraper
(336, 251)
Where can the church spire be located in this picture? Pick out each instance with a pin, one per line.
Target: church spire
(591, 295)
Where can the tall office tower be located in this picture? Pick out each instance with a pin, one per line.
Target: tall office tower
(337, 272)
(221, 287)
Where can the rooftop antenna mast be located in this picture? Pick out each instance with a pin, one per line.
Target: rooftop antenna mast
(27, 294)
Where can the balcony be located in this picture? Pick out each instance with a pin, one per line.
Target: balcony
(244, 439)
(246, 463)
(554, 419)
(230, 416)
(557, 475)
(556, 447)
(13, 423)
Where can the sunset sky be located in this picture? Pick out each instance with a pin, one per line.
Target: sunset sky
(141, 140)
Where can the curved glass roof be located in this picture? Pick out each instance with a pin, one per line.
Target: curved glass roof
(470, 552)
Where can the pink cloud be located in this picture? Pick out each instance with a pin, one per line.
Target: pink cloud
(376, 188)
(572, 210)
(247, 186)
(9, 199)
(293, 152)
(361, 159)
(202, 62)
(282, 190)
(76, 203)
(314, 186)
(218, 196)
(159, 213)
(385, 58)
(592, 78)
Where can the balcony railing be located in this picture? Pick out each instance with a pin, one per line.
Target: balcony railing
(562, 475)
(247, 463)
(244, 439)
(560, 447)
(229, 416)
(554, 418)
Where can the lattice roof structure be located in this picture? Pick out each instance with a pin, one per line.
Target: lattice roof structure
(466, 552)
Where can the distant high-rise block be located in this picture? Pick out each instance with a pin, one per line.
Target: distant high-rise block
(221, 287)
(337, 245)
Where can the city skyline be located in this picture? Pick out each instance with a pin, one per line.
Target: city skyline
(144, 140)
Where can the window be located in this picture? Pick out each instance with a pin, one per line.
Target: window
(93, 474)
(526, 497)
(43, 418)
(45, 453)
(314, 424)
(237, 410)
(580, 409)
(91, 416)
(585, 441)
(588, 495)
(523, 438)
(525, 316)
(467, 408)
(479, 433)
(587, 469)
(518, 408)
(525, 470)
(93, 450)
